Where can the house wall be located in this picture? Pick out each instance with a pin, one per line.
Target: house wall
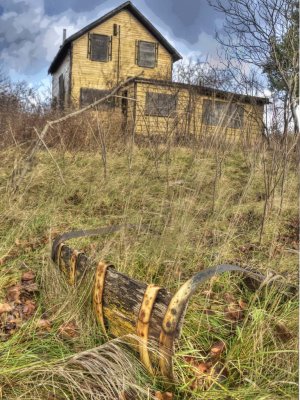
(103, 75)
(189, 115)
(65, 69)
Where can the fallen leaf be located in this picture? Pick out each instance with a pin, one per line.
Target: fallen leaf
(29, 308)
(5, 307)
(217, 349)
(233, 312)
(229, 298)
(13, 293)
(68, 330)
(44, 325)
(163, 395)
(30, 287)
(203, 367)
(282, 332)
(28, 276)
(243, 305)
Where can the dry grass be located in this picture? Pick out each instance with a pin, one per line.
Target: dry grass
(196, 218)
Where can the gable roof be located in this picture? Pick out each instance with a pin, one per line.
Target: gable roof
(125, 6)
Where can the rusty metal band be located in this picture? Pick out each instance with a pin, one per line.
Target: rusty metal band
(142, 327)
(73, 264)
(98, 293)
(58, 253)
(175, 313)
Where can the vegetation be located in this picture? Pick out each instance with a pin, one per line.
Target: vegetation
(203, 204)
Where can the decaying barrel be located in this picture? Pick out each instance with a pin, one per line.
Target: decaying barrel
(126, 306)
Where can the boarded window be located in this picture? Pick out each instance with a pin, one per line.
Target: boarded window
(61, 91)
(99, 47)
(224, 114)
(160, 104)
(88, 96)
(146, 54)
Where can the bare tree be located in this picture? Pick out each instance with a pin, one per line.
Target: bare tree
(264, 34)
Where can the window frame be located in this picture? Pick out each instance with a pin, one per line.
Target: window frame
(90, 47)
(233, 119)
(159, 113)
(138, 62)
(101, 93)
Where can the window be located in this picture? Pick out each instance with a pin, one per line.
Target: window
(146, 54)
(160, 104)
(223, 114)
(88, 96)
(99, 47)
(61, 91)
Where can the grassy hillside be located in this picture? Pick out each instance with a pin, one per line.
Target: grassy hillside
(200, 208)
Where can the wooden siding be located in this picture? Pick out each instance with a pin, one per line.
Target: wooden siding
(65, 70)
(103, 75)
(189, 118)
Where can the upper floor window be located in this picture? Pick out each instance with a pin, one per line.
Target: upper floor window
(99, 47)
(160, 104)
(146, 54)
(222, 113)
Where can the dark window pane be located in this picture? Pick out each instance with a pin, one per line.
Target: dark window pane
(61, 91)
(99, 47)
(146, 54)
(88, 96)
(160, 104)
(223, 114)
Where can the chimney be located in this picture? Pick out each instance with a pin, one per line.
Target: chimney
(64, 35)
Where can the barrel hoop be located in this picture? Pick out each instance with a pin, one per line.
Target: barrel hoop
(58, 253)
(176, 311)
(142, 326)
(73, 264)
(98, 293)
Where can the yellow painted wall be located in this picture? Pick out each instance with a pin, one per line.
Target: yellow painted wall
(188, 119)
(103, 75)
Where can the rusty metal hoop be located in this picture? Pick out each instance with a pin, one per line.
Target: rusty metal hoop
(176, 311)
(142, 327)
(98, 293)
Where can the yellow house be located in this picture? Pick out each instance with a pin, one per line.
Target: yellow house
(123, 43)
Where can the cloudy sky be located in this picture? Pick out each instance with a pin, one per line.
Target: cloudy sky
(31, 30)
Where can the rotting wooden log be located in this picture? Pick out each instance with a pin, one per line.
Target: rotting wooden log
(120, 299)
(127, 306)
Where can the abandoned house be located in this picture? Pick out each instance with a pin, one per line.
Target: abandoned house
(123, 43)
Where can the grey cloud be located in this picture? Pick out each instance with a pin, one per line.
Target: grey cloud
(31, 30)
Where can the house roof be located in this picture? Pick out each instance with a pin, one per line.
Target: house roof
(125, 6)
(207, 91)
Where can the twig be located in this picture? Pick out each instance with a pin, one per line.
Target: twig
(55, 162)
(20, 172)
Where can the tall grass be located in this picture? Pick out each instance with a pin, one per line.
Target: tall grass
(202, 205)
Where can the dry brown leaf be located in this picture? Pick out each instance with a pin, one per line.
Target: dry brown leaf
(229, 298)
(28, 276)
(243, 305)
(217, 349)
(233, 312)
(13, 293)
(5, 307)
(68, 330)
(29, 308)
(30, 287)
(203, 367)
(282, 332)
(44, 325)
(163, 395)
